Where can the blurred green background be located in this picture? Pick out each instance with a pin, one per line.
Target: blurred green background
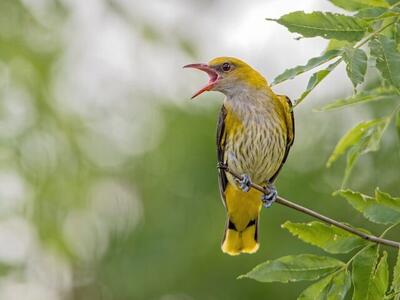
(108, 186)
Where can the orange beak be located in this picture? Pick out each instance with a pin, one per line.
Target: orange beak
(213, 77)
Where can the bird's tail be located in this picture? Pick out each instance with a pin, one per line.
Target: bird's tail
(245, 241)
(241, 229)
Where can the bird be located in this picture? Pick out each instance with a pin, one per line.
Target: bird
(255, 131)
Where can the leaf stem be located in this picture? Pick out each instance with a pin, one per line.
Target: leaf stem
(307, 211)
(388, 229)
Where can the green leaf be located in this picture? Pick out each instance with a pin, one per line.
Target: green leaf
(372, 12)
(356, 65)
(371, 209)
(336, 44)
(330, 238)
(387, 57)
(312, 63)
(370, 131)
(396, 278)
(368, 142)
(315, 79)
(332, 287)
(363, 266)
(294, 268)
(377, 94)
(379, 280)
(387, 200)
(359, 201)
(326, 25)
(353, 5)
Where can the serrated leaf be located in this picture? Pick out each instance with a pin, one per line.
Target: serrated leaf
(363, 266)
(370, 208)
(358, 200)
(353, 5)
(312, 63)
(377, 94)
(315, 79)
(294, 268)
(332, 287)
(387, 200)
(396, 278)
(330, 238)
(356, 65)
(387, 58)
(326, 25)
(368, 132)
(379, 280)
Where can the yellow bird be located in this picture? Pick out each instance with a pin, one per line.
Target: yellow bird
(254, 136)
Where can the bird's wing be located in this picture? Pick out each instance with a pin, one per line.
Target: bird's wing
(222, 180)
(289, 120)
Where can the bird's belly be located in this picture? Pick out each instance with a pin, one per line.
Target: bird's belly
(257, 152)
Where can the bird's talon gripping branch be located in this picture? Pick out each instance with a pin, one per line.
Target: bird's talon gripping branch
(244, 183)
(269, 198)
(222, 166)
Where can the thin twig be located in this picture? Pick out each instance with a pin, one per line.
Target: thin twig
(316, 215)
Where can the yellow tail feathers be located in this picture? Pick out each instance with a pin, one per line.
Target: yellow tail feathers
(236, 242)
(241, 232)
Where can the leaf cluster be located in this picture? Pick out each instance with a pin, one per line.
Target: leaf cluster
(367, 271)
(368, 32)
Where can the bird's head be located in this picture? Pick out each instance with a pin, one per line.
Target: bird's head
(228, 75)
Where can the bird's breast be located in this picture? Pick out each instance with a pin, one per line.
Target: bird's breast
(256, 145)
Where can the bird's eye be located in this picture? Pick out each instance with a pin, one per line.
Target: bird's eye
(226, 67)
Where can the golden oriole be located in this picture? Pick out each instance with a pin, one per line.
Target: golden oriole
(254, 136)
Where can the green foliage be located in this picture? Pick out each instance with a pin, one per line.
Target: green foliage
(395, 287)
(356, 64)
(378, 209)
(326, 25)
(294, 268)
(363, 268)
(333, 287)
(336, 44)
(384, 50)
(330, 238)
(315, 79)
(361, 139)
(312, 63)
(374, 25)
(379, 279)
(377, 94)
(354, 5)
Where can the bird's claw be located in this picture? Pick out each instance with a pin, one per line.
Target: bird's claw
(221, 166)
(244, 183)
(269, 198)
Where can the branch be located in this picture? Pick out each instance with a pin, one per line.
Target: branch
(316, 215)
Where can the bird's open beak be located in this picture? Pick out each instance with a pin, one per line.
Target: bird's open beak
(213, 77)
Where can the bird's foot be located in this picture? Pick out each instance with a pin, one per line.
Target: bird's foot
(270, 197)
(244, 183)
(222, 166)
